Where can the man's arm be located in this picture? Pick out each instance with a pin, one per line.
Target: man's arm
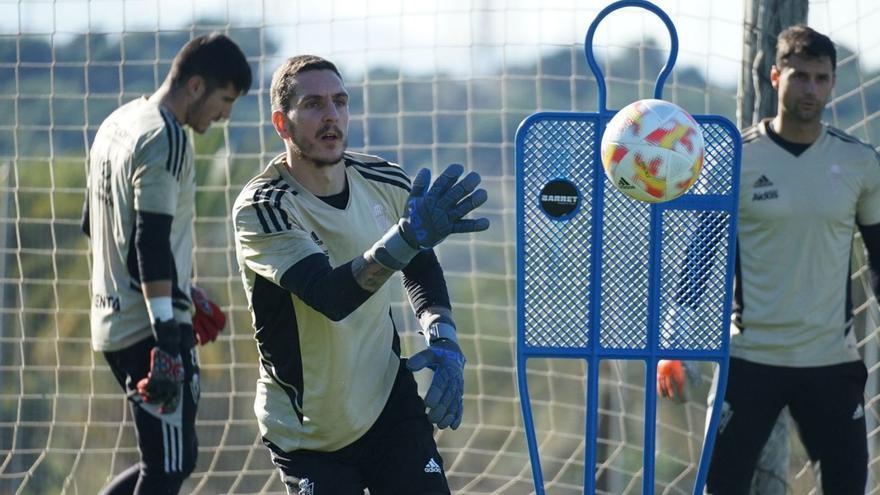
(334, 292)
(699, 258)
(152, 242)
(369, 274)
(673, 375)
(871, 239)
(426, 287)
(431, 214)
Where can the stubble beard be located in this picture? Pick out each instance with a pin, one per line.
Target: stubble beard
(807, 116)
(303, 150)
(193, 111)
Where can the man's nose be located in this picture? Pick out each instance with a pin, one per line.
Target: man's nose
(812, 86)
(332, 113)
(227, 111)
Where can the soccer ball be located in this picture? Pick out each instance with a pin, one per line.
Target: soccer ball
(652, 150)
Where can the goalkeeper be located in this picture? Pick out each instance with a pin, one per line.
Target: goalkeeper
(139, 216)
(805, 188)
(318, 233)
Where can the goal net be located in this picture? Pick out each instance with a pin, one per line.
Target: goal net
(431, 83)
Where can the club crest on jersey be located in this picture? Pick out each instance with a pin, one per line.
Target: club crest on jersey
(381, 217)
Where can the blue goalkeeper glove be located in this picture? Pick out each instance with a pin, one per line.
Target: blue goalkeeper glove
(162, 384)
(431, 214)
(444, 397)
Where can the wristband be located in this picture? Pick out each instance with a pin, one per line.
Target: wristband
(440, 330)
(160, 308)
(392, 251)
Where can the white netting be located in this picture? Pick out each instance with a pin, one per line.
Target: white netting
(431, 82)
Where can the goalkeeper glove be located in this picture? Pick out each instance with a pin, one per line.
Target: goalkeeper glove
(162, 384)
(674, 378)
(430, 215)
(671, 381)
(445, 395)
(209, 319)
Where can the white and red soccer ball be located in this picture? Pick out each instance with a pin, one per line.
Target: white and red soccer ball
(652, 150)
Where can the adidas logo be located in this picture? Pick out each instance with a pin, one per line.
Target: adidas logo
(859, 412)
(433, 467)
(762, 181)
(623, 184)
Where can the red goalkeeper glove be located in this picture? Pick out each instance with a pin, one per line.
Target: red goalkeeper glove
(209, 319)
(671, 380)
(163, 383)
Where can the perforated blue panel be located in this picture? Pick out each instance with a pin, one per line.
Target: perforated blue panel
(559, 279)
(616, 278)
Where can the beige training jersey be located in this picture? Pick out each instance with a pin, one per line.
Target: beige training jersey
(797, 217)
(322, 383)
(141, 160)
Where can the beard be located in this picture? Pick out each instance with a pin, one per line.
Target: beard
(193, 111)
(304, 149)
(806, 114)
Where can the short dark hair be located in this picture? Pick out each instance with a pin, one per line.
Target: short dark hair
(284, 80)
(214, 57)
(805, 41)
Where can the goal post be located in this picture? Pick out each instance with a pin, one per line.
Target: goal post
(430, 83)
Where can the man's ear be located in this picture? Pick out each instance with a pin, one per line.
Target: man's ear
(279, 120)
(195, 87)
(774, 76)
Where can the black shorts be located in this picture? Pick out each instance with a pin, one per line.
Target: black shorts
(167, 442)
(827, 405)
(396, 455)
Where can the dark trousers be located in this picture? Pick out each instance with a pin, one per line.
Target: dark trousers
(826, 404)
(396, 455)
(167, 442)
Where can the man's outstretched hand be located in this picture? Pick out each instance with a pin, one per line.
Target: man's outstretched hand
(430, 215)
(434, 213)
